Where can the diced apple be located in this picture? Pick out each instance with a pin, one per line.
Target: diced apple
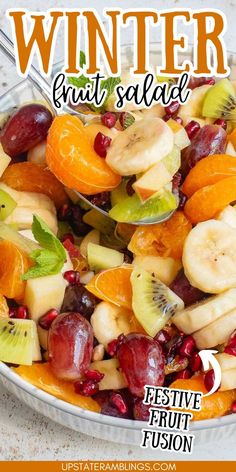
(226, 361)
(228, 379)
(37, 356)
(113, 378)
(164, 268)
(181, 138)
(152, 181)
(43, 337)
(92, 237)
(194, 105)
(4, 160)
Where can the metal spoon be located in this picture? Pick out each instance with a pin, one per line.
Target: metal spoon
(40, 83)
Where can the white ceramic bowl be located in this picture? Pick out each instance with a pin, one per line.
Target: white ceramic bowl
(84, 421)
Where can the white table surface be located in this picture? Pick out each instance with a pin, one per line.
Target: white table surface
(25, 435)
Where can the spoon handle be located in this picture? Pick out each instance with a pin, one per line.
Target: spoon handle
(7, 47)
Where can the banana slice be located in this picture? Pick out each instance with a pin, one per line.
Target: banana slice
(209, 256)
(22, 217)
(194, 106)
(217, 332)
(140, 146)
(228, 215)
(113, 378)
(226, 361)
(29, 199)
(202, 314)
(228, 380)
(108, 322)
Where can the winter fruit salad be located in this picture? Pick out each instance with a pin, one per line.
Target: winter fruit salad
(92, 307)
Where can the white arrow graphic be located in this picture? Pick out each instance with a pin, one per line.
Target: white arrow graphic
(207, 358)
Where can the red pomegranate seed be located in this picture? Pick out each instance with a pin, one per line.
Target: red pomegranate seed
(126, 119)
(101, 144)
(192, 128)
(187, 347)
(172, 108)
(166, 117)
(64, 212)
(109, 119)
(209, 379)
(209, 81)
(12, 312)
(233, 407)
(179, 120)
(183, 374)
(195, 362)
(68, 236)
(221, 122)
(93, 375)
(71, 248)
(129, 186)
(46, 320)
(87, 388)
(230, 350)
(119, 402)
(72, 277)
(162, 337)
(114, 344)
(22, 312)
(232, 340)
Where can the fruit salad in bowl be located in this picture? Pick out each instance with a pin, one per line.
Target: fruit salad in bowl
(92, 307)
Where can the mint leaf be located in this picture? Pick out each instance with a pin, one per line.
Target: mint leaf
(110, 84)
(50, 259)
(82, 59)
(80, 81)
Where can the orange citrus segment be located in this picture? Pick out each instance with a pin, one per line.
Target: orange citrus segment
(208, 171)
(113, 285)
(165, 239)
(71, 158)
(41, 376)
(13, 264)
(4, 310)
(94, 128)
(232, 138)
(208, 201)
(213, 406)
(30, 177)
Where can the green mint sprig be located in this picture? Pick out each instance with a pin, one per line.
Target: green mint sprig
(50, 259)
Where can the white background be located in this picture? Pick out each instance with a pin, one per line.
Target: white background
(25, 435)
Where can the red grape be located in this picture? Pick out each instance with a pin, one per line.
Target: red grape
(182, 287)
(211, 139)
(142, 362)
(27, 127)
(70, 345)
(78, 299)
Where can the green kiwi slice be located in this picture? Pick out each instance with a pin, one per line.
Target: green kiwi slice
(18, 341)
(220, 101)
(153, 302)
(7, 205)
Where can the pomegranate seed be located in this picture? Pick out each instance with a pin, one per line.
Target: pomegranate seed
(233, 407)
(126, 119)
(101, 144)
(22, 312)
(176, 181)
(114, 344)
(119, 403)
(230, 350)
(182, 200)
(72, 277)
(192, 128)
(109, 119)
(172, 108)
(232, 340)
(46, 320)
(209, 81)
(183, 374)
(64, 212)
(93, 375)
(209, 379)
(221, 122)
(187, 347)
(162, 337)
(195, 362)
(12, 312)
(179, 120)
(166, 117)
(129, 186)
(71, 248)
(68, 236)
(87, 388)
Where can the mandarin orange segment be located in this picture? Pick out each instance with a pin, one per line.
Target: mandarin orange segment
(213, 406)
(71, 158)
(42, 377)
(208, 171)
(208, 201)
(4, 310)
(13, 264)
(30, 177)
(113, 285)
(165, 239)
(232, 138)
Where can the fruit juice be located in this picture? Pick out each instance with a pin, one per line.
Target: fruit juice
(94, 306)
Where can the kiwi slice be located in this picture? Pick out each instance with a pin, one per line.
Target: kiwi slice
(7, 205)
(18, 341)
(220, 101)
(153, 302)
(120, 193)
(100, 258)
(131, 209)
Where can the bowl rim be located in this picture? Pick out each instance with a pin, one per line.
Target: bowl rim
(7, 373)
(89, 415)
